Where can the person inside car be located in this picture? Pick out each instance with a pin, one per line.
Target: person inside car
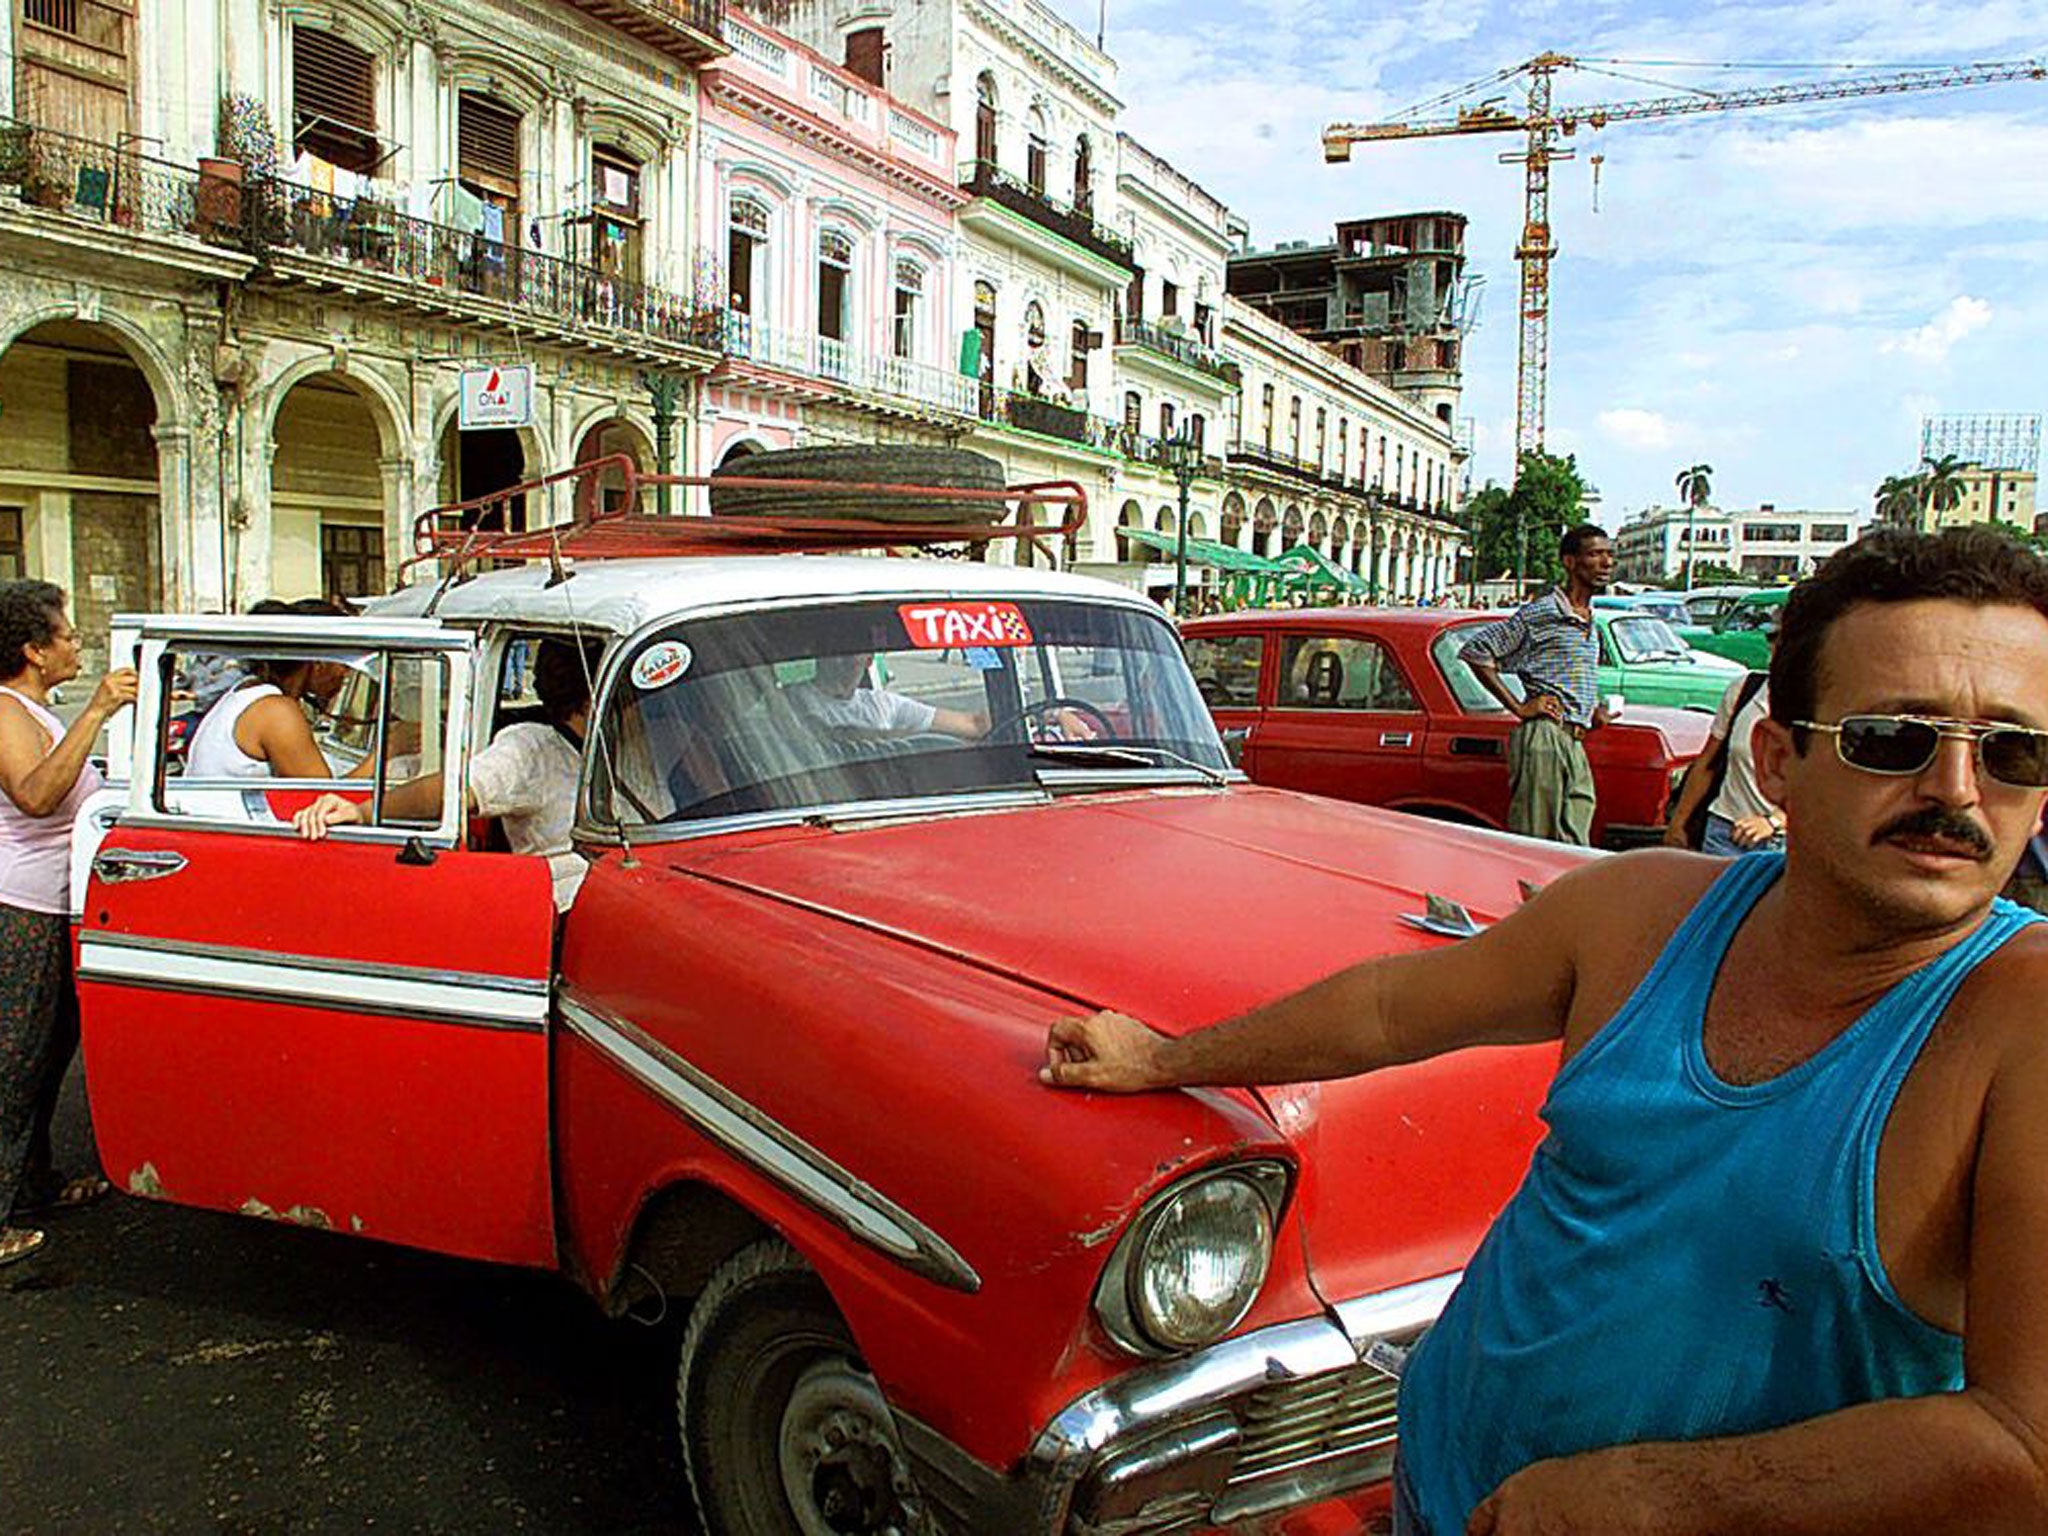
(526, 777)
(837, 701)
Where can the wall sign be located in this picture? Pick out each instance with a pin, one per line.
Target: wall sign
(500, 396)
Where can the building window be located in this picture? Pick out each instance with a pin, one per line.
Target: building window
(746, 246)
(351, 559)
(1205, 324)
(1343, 446)
(866, 54)
(835, 270)
(57, 15)
(1077, 359)
(1830, 533)
(1036, 150)
(1195, 431)
(1322, 434)
(334, 101)
(984, 344)
(909, 295)
(1084, 177)
(615, 212)
(985, 120)
(487, 151)
(12, 562)
(1134, 296)
(1169, 298)
(1034, 348)
(1134, 412)
(1165, 419)
(1266, 406)
(1294, 426)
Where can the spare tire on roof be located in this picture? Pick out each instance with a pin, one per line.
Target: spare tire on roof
(942, 469)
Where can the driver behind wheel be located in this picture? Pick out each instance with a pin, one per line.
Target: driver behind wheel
(836, 700)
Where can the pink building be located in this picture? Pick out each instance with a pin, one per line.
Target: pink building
(827, 238)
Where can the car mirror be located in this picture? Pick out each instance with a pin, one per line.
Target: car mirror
(1233, 744)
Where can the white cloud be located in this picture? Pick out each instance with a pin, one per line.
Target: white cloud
(1932, 342)
(1637, 429)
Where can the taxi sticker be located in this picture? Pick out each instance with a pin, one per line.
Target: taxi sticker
(660, 664)
(941, 626)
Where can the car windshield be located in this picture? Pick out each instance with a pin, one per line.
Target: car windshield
(1639, 638)
(801, 709)
(1465, 686)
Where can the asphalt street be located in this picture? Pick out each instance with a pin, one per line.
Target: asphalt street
(168, 1370)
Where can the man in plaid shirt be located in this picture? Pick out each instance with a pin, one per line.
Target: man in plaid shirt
(1551, 647)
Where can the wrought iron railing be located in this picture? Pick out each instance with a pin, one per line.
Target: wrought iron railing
(86, 179)
(1177, 345)
(742, 337)
(984, 178)
(1259, 454)
(368, 235)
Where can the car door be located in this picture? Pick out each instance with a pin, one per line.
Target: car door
(1344, 720)
(350, 1033)
(1227, 670)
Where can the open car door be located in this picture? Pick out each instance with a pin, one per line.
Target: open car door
(350, 1033)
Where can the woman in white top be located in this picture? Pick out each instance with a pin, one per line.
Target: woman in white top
(46, 776)
(1739, 818)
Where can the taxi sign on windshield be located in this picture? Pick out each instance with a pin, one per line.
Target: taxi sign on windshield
(941, 626)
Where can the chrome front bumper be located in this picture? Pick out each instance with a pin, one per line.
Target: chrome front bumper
(1267, 1421)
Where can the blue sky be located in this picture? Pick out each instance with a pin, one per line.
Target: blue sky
(1781, 293)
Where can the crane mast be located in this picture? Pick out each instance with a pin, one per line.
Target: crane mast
(1543, 125)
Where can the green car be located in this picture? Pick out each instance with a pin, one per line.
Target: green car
(1743, 631)
(1643, 659)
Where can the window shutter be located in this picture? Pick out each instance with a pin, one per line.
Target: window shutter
(332, 79)
(487, 135)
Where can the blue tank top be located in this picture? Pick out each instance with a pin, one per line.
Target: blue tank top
(1686, 1257)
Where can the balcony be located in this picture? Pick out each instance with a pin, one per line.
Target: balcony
(984, 179)
(1044, 417)
(1259, 456)
(85, 183)
(687, 31)
(1179, 346)
(367, 247)
(893, 385)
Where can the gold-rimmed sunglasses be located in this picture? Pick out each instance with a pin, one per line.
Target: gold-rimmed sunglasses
(1900, 745)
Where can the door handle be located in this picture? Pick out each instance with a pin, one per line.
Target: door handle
(1397, 738)
(118, 866)
(1476, 746)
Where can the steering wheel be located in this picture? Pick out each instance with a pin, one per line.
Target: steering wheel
(1044, 707)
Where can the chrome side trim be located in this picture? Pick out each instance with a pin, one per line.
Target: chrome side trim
(769, 1147)
(454, 997)
(1152, 1395)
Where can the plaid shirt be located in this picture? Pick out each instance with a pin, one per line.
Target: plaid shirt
(1550, 648)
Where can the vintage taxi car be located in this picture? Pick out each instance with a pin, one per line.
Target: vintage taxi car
(777, 1070)
(1374, 705)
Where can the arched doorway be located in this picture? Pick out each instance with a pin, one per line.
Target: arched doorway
(1318, 530)
(1132, 516)
(1290, 528)
(481, 463)
(615, 438)
(80, 493)
(1164, 522)
(1264, 522)
(1233, 519)
(328, 511)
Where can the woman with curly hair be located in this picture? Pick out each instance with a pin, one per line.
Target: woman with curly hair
(45, 777)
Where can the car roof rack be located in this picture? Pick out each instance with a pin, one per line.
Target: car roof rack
(461, 537)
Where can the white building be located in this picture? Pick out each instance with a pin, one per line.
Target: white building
(1765, 545)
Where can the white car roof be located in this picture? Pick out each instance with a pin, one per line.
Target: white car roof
(623, 595)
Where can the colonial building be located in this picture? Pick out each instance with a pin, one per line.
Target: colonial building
(243, 311)
(1767, 544)
(826, 239)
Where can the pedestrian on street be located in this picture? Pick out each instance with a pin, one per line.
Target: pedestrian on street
(45, 772)
(1550, 645)
(1719, 808)
(1777, 1264)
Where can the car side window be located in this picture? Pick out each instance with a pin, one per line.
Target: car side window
(1226, 669)
(1341, 672)
(375, 719)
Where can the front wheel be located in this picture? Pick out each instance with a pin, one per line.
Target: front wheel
(784, 1431)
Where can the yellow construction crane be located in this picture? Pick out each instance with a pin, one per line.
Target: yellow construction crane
(1544, 124)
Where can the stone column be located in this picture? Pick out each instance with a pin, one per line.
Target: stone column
(396, 473)
(180, 579)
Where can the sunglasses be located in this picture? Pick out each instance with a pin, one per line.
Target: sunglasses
(1906, 744)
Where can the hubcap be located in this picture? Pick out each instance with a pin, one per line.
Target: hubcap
(842, 1470)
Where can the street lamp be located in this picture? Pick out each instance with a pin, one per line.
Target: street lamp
(664, 390)
(1181, 455)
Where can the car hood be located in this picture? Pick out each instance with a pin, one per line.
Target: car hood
(1185, 908)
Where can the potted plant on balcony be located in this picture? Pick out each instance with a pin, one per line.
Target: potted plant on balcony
(14, 154)
(247, 153)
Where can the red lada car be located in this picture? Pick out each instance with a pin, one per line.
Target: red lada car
(1374, 705)
(777, 1071)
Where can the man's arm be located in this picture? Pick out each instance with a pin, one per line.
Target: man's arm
(1969, 1463)
(1527, 707)
(1512, 984)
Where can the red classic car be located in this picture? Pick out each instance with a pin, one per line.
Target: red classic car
(777, 1070)
(1373, 705)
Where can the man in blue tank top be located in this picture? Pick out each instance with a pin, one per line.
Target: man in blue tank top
(1778, 1264)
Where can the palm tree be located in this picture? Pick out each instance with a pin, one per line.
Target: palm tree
(1899, 500)
(1941, 484)
(1695, 487)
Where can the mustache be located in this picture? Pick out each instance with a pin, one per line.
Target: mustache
(1938, 821)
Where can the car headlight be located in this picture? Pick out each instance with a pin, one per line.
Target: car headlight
(1192, 1263)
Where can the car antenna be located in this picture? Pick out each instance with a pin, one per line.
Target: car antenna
(598, 741)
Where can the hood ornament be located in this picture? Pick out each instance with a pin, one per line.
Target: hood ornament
(1444, 916)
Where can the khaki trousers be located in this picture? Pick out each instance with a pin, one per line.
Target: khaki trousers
(1550, 783)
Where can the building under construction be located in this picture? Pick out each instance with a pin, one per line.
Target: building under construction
(1389, 296)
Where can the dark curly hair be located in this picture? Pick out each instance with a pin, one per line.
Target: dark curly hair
(30, 612)
(1972, 564)
(561, 676)
(1575, 540)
